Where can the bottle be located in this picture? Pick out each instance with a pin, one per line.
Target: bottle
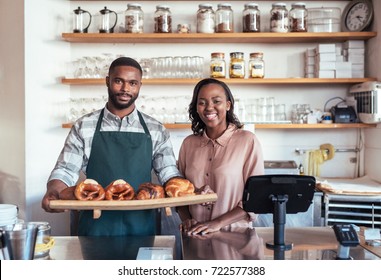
(279, 18)
(301, 169)
(251, 18)
(237, 65)
(217, 65)
(134, 18)
(298, 17)
(205, 19)
(163, 19)
(256, 65)
(224, 18)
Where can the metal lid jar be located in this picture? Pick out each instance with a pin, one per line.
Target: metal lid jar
(251, 18)
(237, 65)
(217, 65)
(163, 19)
(224, 18)
(298, 17)
(206, 19)
(279, 18)
(256, 65)
(134, 18)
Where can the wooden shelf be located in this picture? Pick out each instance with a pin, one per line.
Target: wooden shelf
(261, 37)
(273, 126)
(281, 81)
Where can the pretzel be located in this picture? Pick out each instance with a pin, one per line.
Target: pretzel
(150, 191)
(89, 190)
(119, 190)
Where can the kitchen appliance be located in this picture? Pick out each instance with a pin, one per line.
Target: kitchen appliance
(343, 114)
(368, 101)
(79, 25)
(106, 23)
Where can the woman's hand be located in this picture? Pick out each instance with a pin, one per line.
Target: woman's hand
(205, 190)
(187, 224)
(204, 228)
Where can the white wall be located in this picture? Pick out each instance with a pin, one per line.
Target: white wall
(373, 136)
(31, 116)
(12, 104)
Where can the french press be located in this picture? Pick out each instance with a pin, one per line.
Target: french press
(105, 25)
(79, 25)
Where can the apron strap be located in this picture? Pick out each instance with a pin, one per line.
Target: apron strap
(98, 128)
(143, 123)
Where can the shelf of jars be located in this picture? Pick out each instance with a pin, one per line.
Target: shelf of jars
(260, 37)
(282, 81)
(273, 125)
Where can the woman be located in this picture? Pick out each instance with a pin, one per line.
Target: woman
(219, 157)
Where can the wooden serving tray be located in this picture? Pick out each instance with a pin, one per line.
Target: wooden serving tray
(97, 206)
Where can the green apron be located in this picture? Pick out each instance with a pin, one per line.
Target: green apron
(119, 155)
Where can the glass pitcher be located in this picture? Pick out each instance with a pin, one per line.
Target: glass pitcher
(106, 24)
(79, 25)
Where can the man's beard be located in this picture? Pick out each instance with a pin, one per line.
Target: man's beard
(113, 99)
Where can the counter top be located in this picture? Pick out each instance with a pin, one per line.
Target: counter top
(106, 248)
(310, 243)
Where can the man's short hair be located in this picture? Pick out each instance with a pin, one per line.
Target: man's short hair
(125, 61)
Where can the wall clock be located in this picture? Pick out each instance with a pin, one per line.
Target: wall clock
(357, 16)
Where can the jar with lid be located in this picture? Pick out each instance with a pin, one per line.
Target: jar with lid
(298, 17)
(217, 65)
(279, 18)
(134, 18)
(256, 65)
(251, 18)
(224, 18)
(163, 19)
(205, 19)
(237, 65)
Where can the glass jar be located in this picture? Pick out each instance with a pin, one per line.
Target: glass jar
(205, 19)
(298, 17)
(134, 18)
(217, 65)
(256, 65)
(251, 18)
(237, 65)
(224, 18)
(163, 19)
(279, 18)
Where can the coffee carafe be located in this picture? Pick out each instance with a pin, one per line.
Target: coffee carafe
(79, 25)
(106, 24)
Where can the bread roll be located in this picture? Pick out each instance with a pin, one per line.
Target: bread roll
(89, 190)
(119, 190)
(176, 187)
(150, 191)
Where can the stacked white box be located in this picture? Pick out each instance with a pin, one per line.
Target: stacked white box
(309, 65)
(354, 52)
(325, 61)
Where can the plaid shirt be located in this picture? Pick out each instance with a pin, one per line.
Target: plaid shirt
(75, 154)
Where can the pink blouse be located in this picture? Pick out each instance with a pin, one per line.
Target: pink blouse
(224, 164)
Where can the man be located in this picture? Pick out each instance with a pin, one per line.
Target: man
(116, 142)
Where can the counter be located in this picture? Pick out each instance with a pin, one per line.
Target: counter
(106, 248)
(309, 243)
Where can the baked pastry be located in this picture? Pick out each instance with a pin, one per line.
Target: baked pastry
(176, 187)
(89, 190)
(119, 190)
(68, 193)
(150, 191)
